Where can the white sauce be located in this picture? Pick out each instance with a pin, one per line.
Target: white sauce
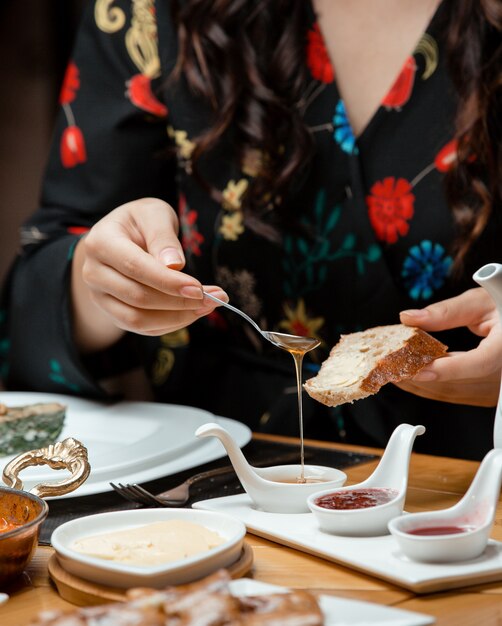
(152, 544)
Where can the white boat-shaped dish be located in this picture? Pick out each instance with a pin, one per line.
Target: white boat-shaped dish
(116, 574)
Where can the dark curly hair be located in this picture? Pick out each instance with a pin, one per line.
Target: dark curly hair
(258, 47)
(474, 186)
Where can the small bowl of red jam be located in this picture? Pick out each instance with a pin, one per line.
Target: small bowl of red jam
(461, 532)
(359, 510)
(440, 536)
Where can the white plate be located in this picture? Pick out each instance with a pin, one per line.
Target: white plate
(339, 611)
(115, 574)
(378, 556)
(128, 441)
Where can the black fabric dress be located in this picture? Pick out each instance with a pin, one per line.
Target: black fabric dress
(379, 234)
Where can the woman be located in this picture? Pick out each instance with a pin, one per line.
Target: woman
(330, 165)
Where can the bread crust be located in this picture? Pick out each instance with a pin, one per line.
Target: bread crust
(417, 351)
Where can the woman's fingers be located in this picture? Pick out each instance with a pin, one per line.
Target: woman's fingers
(153, 321)
(133, 262)
(128, 267)
(471, 392)
(155, 229)
(106, 279)
(483, 361)
(471, 377)
(140, 241)
(474, 309)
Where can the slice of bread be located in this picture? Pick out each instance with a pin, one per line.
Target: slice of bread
(361, 363)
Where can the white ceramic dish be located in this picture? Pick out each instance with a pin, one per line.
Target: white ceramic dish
(391, 475)
(128, 441)
(473, 515)
(275, 488)
(339, 611)
(378, 556)
(115, 574)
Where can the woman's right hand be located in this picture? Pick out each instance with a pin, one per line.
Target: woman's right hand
(126, 277)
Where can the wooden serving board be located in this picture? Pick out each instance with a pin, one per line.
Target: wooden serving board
(86, 593)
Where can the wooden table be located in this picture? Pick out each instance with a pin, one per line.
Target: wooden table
(434, 482)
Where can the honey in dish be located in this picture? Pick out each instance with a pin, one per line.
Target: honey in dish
(307, 480)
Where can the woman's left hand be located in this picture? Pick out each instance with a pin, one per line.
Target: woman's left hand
(471, 377)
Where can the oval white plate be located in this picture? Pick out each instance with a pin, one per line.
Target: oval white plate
(130, 442)
(115, 574)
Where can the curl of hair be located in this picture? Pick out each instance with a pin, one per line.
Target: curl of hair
(474, 185)
(247, 59)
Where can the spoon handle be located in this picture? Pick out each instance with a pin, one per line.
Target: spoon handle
(235, 310)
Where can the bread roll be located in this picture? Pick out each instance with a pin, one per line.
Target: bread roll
(361, 363)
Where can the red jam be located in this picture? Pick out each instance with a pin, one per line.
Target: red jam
(430, 531)
(356, 498)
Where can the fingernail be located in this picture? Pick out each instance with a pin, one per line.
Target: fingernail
(425, 376)
(417, 313)
(171, 257)
(221, 295)
(191, 291)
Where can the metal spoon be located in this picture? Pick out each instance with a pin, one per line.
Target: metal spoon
(291, 343)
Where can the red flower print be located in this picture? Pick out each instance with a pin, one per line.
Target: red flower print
(78, 230)
(390, 205)
(216, 320)
(317, 56)
(139, 92)
(71, 84)
(447, 156)
(190, 236)
(400, 92)
(72, 147)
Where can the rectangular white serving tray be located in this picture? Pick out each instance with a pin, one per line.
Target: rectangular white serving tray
(378, 556)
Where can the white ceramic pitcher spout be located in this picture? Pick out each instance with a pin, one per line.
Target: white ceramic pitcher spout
(392, 471)
(484, 491)
(470, 520)
(490, 277)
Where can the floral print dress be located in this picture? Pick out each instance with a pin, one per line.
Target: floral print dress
(379, 234)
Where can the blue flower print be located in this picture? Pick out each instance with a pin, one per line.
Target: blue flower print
(344, 135)
(425, 269)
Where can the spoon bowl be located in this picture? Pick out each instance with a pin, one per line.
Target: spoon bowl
(460, 532)
(365, 509)
(287, 342)
(276, 488)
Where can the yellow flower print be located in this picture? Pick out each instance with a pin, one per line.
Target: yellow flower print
(176, 339)
(297, 322)
(162, 366)
(108, 19)
(232, 194)
(232, 226)
(185, 146)
(165, 357)
(253, 163)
